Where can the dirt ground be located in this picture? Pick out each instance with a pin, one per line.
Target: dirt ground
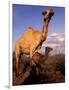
(49, 69)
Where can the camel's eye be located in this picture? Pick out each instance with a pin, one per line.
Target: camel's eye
(44, 12)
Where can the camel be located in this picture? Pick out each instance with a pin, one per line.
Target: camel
(31, 40)
(38, 57)
(47, 50)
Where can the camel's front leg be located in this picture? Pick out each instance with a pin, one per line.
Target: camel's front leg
(17, 58)
(32, 51)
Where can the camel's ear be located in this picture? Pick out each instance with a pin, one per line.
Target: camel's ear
(43, 13)
(52, 13)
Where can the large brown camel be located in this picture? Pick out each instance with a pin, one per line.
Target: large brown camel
(31, 41)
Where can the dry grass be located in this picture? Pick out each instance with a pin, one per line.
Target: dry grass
(46, 70)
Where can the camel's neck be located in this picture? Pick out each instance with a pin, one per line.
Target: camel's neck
(45, 29)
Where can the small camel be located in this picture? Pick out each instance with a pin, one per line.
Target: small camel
(37, 57)
(47, 50)
(31, 40)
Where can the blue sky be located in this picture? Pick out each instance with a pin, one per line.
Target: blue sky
(25, 16)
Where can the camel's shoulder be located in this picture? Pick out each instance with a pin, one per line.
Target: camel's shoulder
(37, 32)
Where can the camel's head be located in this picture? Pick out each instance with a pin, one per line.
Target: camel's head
(48, 14)
(48, 49)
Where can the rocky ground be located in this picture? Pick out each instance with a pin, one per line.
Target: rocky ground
(48, 69)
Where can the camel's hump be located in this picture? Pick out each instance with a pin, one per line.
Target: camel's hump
(30, 30)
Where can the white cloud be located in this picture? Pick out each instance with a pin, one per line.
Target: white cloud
(56, 41)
